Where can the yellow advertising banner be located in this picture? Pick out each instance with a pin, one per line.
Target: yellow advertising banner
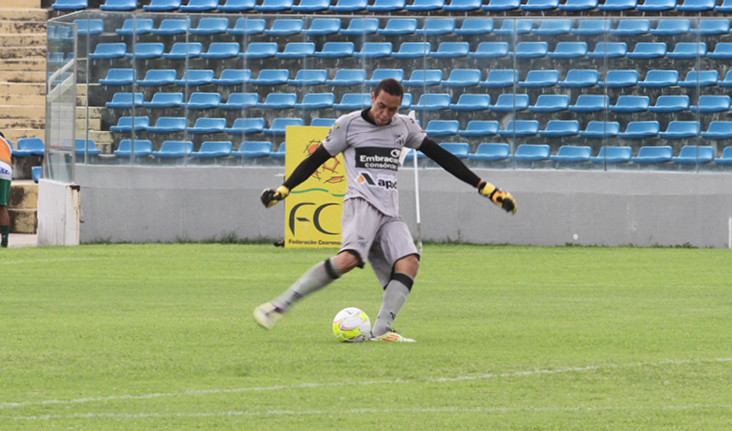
(313, 209)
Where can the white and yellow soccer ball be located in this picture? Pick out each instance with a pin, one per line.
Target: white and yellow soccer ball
(351, 325)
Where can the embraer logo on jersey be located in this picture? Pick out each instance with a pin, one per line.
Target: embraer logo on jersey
(378, 158)
(380, 182)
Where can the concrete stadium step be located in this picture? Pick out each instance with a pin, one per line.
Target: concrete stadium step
(25, 111)
(22, 13)
(23, 52)
(22, 99)
(30, 89)
(22, 76)
(22, 40)
(94, 112)
(22, 123)
(23, 65)
(22, 27)
(23, 207)
(15, 134)
(18, 4)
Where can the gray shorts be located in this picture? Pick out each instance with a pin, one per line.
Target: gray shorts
(376, 238)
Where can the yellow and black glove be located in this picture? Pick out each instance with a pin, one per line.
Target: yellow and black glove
(497, 196)
(271, 197)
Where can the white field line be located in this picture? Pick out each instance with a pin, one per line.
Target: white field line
(37, 261)
(547, 371)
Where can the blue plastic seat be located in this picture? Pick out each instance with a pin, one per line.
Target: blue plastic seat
(89, 27)
(475, 27)
(349, 6)
(531, 153)
(297, 50)
(600, 129)
(718, 130)
(124, 100)
(653, 155)
(671, 27)
(233, 77)
(442, 127)
(627, 103)
(374, 50)
(670, 104)
(157, 77)
(258, 50)
(479, 128)
(660, 78)
(647, 50)
(279, 125)
(399, 27)
(139, 148)
(565, 50)
(117, 77)
(83, 146)
(457, 149)
(696, 5)
(471, 102)
(590, 103)
(173, 150)
(552, 27)
(413, 50)
(346, 77)
(432, 102)
(125, 124)
(278, 101)
(501, 5)
(710, 103)
(560, 128)
(312, 101)
(490, 50)
(308, 77)
(702, 78)
(361, 26)
(490, 152)
(572, 154)
(425, 5)
(70, 5)
(688, 50)
(510, 102)
(713, 27)
(162, 5)
(511, 26)
(693, 154)
(420, 78)
(631, 27)
(182, 50)
(205, 126)
(30, 147)
(237, 5)
(618, 5)
(613, 155)
(253, 150)
(146, 51)
(540, 5)
(531, 49)
(285, 27)
(213, 149)
(680, 130)
(462, 78)
(579, 78)
(540, 78)
(210, 26)
(722, 50)
(323, 27)
(108, 51)
(726, 82)
(578, 5)
(726, 158)
(245, 126)
(238, 101)
(307, 6)
(336, 50)
(521, 128)
(171, 27)
(247, 27)
(550, 103)
(200, 100)
(436, 26)
(322, 122)
(380, 74)
(271, 77)
(387, 5)
(274, 6)
(451, 50)
(199, 5)
(353, 101)
(500, 78)
(462, 5)
(640, 130)
(221, 50)
(165, 100)
(132, 27)
(620, 78)
(195, 77)
(592, 27)
(168, 125)
(280, 153)
(657, 5)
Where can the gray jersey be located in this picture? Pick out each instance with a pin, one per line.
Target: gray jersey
(371, 155)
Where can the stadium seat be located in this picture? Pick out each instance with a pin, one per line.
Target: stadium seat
(182, 50)
(237, 101)
(540, 5)
(258, 50)
(210, 26)
(233, 77)
(550, 103)
(421, 78)
(540, 78)
(680, 130)
(479, 128)
(374, 50)
(174, 150)
(353, 101)
(660, 78)
(640, 130)
(336, 50)
(280, 153)
(132, 27)
(600, 129)
(146, 51)
(462, 5)
(307, 6)
(168, 125)
(670, 104)
(306, 77)
(517, 26)
(425, 5)
(412, 50)
(490, 50)
(274, 6)
(89, 27)
(30, 147)
(247, 27)
(657, 5)
(171, 27)
(91, 149)
(457, 149)
(475, 27)
(201, 100)
(590, 103)
(194, 77)
(627, 103)
(712, 27)
(124, 101)
(451, 50)
(462, 78)
(253, 150)
(531, 153)
(70, 5)
(688, 50)
(237, 5)
(592, 27)
(221, 50)
(380, 74)
(718, 130)
(722, 50)
(124, 124)
(349, 6)
(442, 127)
(572, 154)
(165, 100)
(140, 148)
(278, 101)
(471, 102)
(726, 158)
(297, 50)
(631, 27)
(213, 149)
(510, 102)
(647, 50)
(398, 27)
(346, 77)
(693, 154)
(490, 152)
(199, 5)
(521, 128)
(245, 126)
(271, 77)
(157, 77)
(108, 51)
(118, 77)
(579, 78)
(386, 6)
(578, 5)
(278, 126)
(162, 5)
(613, 155)
(323, 27)
(704, 78)
(361, 26)
(205, 126)
(436, 27)
(500, 78)
(312, 101)
(653, 155)
(432, 102)
(618, 5)
(322, 122)
(696, 5)
(501, 5)
(671, 27)
(727, 82)
(710, 103)
(552, 27)
(531, 50)
(285, 27)
(565, 50)
(620, 78)
(560, 128)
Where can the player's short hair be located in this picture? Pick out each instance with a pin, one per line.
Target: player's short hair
(390, 86)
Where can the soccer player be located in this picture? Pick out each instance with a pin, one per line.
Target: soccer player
(371, 228)
(6, 174)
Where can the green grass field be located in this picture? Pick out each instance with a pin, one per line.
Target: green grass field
(160, 337)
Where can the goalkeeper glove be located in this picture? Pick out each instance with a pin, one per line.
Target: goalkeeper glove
(497, 196)
(271, 197)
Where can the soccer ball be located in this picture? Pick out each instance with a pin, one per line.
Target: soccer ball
(351, 325)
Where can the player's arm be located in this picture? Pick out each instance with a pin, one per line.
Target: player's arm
(302, 172)
(455, 166)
